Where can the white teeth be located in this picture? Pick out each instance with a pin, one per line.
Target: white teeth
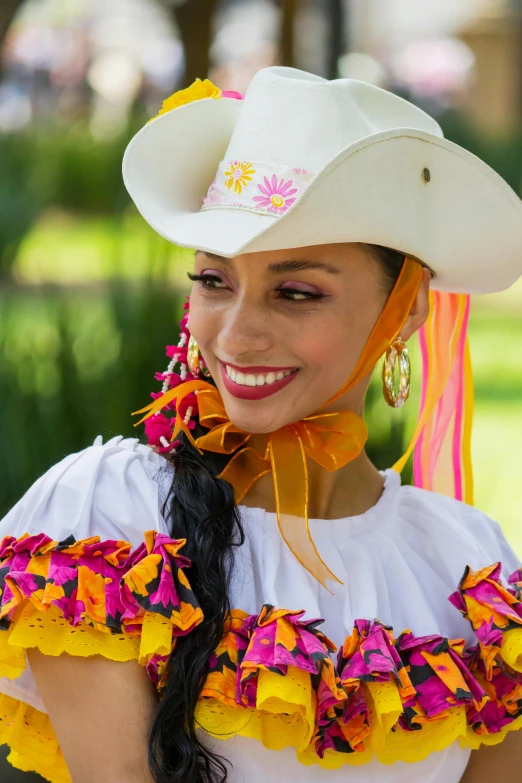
(248, 379)
(231, 373)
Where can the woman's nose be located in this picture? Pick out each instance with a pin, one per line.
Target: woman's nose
(245, 330)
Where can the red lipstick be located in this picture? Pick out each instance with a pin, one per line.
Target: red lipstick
(255, 392)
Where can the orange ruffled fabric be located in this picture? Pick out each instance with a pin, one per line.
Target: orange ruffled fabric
(392, 698)
(139, 601)
(85, 598)
(272, 677)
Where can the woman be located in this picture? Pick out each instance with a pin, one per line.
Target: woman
(197, 589)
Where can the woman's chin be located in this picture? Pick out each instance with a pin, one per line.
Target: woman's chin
(249, 417)
(254, 425)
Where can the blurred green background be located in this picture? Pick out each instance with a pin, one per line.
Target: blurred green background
(89, 295)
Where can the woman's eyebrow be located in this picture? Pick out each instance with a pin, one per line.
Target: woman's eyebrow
(285, 266)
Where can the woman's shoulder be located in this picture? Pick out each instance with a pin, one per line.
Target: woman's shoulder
(113, 490)
(450, 527)
(87, 568)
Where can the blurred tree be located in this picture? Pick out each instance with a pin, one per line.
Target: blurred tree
(8, 9)
(194, 19)
(288, 13)
(20, 202)
(336, 11)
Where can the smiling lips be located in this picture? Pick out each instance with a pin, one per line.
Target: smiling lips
(255, 383)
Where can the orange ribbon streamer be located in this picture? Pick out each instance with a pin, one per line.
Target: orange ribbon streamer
(332, 439)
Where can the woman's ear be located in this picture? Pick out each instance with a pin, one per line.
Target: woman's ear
(420, 310)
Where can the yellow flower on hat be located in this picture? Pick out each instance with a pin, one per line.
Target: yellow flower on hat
(195, 92)
(238, 175)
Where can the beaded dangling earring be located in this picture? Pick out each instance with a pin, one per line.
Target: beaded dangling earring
(397, 352)
(195, 362)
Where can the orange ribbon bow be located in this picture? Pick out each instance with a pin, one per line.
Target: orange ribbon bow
(331, 439)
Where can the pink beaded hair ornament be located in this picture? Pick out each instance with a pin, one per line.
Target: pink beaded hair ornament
(159, 428)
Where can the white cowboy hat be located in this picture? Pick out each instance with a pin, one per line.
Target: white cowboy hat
(305, 161)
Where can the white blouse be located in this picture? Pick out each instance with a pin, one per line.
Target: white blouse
(399, 562)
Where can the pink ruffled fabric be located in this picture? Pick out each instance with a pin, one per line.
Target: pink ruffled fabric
(433, 675)
(105, 585)
(101, 584)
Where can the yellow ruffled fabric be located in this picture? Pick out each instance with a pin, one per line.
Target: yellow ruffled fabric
(253, 690)
(27, 731)
(511, 649)
(279, 704)
(85, 598)
(53, 635)
(31, 738)
(284, 717)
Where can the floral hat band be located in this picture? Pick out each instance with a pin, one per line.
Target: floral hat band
(257, 186)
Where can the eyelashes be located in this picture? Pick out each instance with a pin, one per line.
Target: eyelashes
(213, 282)
(206, 280)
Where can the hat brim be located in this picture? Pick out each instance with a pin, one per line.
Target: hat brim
(463, 220)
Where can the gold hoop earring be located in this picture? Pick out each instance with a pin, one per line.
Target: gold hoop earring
(193, 359)
(397, 352)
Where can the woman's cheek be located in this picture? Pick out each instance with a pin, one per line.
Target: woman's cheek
(332, 353)
(327, 344)
(202, 323)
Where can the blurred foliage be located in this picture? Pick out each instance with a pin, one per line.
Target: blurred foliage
(74, 365)
(502, 154)
(388, 428)
(48, 167)
(69, 249)
(20, 200)
(75, 172)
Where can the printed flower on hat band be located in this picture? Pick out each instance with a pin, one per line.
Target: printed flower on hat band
(238, 175)
(213, 195)
(276, 195)
(268, 188)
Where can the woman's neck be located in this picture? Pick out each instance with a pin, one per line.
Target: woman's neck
(346, 492)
